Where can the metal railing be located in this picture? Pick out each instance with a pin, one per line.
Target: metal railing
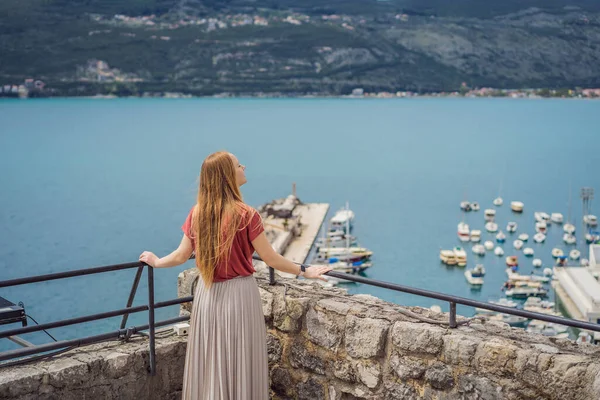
(121, 334)
(125, 333)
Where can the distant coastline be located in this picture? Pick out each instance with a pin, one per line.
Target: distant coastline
(590, 94)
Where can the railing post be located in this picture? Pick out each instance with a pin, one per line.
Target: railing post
(271, 276)
(453, 315)
(134, 287)
(151, 320)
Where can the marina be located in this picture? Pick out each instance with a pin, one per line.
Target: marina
(572, 280)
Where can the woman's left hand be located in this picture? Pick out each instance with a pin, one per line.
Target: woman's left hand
(316, 272)
(149, 258)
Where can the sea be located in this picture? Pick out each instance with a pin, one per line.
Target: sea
(94, 182)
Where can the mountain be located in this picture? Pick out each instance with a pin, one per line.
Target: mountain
(87, 47)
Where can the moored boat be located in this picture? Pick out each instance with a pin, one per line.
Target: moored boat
(517, 206)
(511, 227)
(539, 237)
(500, 237)
(491, 227)
(517, 244)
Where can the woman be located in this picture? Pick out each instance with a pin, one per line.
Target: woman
(227, 354)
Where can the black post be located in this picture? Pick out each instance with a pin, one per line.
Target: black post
(271, 276)
(134, 287)
(453, 315)
(151, 320)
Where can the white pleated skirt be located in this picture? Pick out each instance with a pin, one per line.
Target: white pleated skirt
(226, 355)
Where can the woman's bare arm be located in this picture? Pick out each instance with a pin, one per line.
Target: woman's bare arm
(177, 257)
(273, 259)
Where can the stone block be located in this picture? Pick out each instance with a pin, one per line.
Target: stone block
(439, 376)
(67, 372)
(274, 348)
(288, 313)
(399, 391)
(496, 356)
(459, 349)
(312, 389)
(478, 388)
(334, 306)
(267, 303)
(325, 329)
(281, 381)
(344, 370)
(365, 337)
(301, 357)
(418, 338)
(407, 367)
(369, 373)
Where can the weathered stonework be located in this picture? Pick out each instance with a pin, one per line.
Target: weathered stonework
(324, 344)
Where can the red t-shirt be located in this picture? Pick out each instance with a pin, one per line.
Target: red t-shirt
(240, 256)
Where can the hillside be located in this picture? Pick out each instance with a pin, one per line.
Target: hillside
(305, 46)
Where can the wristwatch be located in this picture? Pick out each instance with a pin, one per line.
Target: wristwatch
(302, 270)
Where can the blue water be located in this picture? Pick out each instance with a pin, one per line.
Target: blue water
(94, 182)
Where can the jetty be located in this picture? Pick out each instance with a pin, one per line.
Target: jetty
(292, 227)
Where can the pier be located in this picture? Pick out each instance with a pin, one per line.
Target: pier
(292, 227)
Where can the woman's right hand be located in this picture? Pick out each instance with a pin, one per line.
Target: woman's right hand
(149, 258)
(316, 272)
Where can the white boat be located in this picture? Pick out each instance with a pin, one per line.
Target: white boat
(591, 238)
(498, 201)
(489, 245)
(569, 228)
(537, 302)
(350, 267)
(336, 239)
(475, 235)
(475, 281)
(523, 237)
(541, 227)
(447, 257)
(499, 251)
(461, 256)
(491, 227)
(489, 214)
(342, 219)
(590, 220)
(539, 237)
(500, 237)
(517, 244)
(547, 272)
(524, 292)
(557, 218)
(511, 227)
(585, 262)
(503, 301)
(574, 254)
(465, 206)
(478, 249)
(541, 216)
(556, 252)
(475, 206)
(463, 232)
(517, 206)
(569, 239)
(537, 263)
(528, 252)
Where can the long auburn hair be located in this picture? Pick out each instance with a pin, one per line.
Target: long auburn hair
(218, 213)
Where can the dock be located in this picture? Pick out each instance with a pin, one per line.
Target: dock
(292, 228)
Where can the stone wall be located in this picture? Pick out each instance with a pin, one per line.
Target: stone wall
(107, 371)
(324, 344)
